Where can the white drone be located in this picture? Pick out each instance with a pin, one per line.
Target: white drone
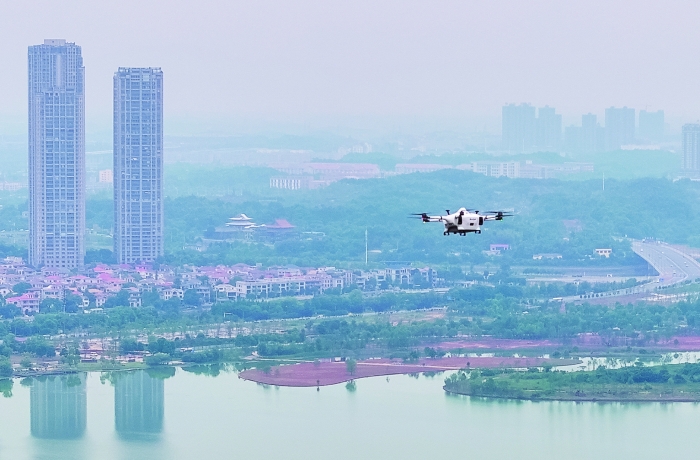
(463, 221)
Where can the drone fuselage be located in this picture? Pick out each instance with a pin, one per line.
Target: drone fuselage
(462, 222)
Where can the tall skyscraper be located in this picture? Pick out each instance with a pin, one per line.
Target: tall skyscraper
(619, 127)
(592, 134)
(518, 127)
(56, 155)
(548, 129)
(138, 164)
(651, 125)
(691, 147)
(573, 138)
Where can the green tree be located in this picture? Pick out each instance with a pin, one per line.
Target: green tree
(157, 359)
(21, 288)
(120, 300)
(50, 306)
(6, 387)
(70, 357)
(351, 366)
(5, 368)
(192, 298)
(72, 303)
(26, 362)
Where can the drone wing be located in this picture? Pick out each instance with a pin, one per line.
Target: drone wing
(426, 218)
(496, 215)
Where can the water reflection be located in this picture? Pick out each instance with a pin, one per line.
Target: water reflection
(210, 370)
(139, 403)
(591, 363)
(58, 407)
(6, 387)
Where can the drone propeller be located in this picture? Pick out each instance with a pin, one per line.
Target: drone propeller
(499, 215)
(422, 216)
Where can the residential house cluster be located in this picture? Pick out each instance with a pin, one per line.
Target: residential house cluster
(27, 288)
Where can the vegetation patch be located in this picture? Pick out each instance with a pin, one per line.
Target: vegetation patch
(678, 382)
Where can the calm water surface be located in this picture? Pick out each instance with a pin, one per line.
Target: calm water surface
(193, 416)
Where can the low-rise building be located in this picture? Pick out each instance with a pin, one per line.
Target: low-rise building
(28, 302)
(547, 256)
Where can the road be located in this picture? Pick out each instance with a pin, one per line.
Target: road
(674, 266)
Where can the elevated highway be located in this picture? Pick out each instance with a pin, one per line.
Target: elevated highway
(672, 265)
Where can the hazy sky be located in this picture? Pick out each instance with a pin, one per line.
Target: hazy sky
(298, 60)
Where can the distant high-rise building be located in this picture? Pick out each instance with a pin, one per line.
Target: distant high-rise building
(589, 137)
(548, 134)
(518, 127)
(572, 138)
(651, 125)
(56, 155)
(592, 134)
(691, 147)
(106, 176)
(619, 127)
(138, 164)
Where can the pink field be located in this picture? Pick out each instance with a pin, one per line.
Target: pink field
(331, 373)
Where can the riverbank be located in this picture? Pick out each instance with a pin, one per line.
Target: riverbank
(310, 374)
(668, 383)
(599, 398)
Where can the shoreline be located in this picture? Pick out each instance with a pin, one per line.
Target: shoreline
(568, 398)
(312, 374)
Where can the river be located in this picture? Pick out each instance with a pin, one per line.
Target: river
(190, 416)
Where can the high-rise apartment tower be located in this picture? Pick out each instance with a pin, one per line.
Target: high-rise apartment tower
(619, 127)
(651, 126)
(525, 129)
(138, 164)
(56, 155)
(518, 127)
(691, 147)
(548, 129)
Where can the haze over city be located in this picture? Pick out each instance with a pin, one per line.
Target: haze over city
(238, 67)
(369, 229)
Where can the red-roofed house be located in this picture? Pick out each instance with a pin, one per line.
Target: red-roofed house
(27, 302)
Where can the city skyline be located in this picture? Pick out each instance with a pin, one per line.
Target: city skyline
(304, 79)
(526, 129)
